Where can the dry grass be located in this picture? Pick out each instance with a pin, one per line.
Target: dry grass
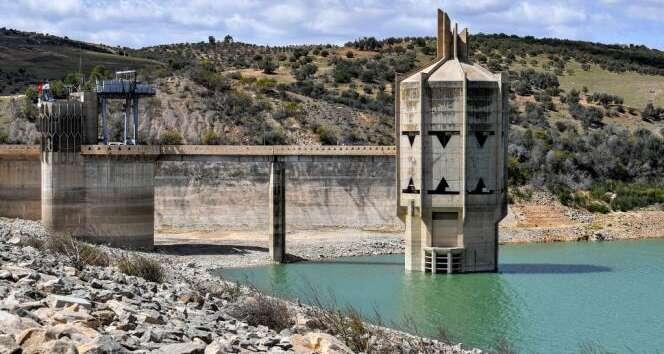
(264, 310)
(78, 254)
(146, 268)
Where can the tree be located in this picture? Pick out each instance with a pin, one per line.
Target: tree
(31, 94)
(58, 89)
(211, 40)
(305, 72)
(72, 79)
(268, 65)
(99, 72)
(573, 97)
(228, 39)
(341, 74)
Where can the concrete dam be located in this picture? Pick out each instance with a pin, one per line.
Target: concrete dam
(121, 194)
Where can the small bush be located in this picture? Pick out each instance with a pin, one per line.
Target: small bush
(78, 254)
(210, 137)
(33, 241)
(328, 134)
(170, 137)
(146, 268)
(597, 206)
(265, 311)
(350, 54)
(4, 137)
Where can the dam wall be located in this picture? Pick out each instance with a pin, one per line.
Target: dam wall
(20, 182)
(218, 187)
(125, 193)
(232, 192)
(119, 200)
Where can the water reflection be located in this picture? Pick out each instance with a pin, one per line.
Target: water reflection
(548, 268)
(473, 306)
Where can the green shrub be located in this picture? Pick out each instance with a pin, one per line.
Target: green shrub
(210, 137)
(139, 266)
(170, 137)
(268, 65)
(628, 196)
(598, 206)
(266, 83)
(328, 134)
(275, 136)
(4, 137)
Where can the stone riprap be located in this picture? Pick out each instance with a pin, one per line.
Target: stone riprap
(47, 306)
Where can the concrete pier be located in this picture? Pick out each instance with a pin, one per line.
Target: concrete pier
(63, 192)
(277, 211)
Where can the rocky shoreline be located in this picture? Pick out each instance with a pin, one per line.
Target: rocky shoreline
(49, 306)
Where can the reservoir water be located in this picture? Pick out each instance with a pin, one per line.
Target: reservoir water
(546, 298)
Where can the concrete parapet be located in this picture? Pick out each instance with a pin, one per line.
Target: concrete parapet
(238, 150)
(296, 150)
(19, 152)
(120, 150)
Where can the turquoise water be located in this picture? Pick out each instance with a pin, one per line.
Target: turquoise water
(546, 298)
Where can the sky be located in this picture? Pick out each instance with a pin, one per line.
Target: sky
(139, 23)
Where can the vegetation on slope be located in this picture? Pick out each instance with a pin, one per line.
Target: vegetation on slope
(585, 116)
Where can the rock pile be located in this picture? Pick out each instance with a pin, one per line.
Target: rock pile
(47, 306)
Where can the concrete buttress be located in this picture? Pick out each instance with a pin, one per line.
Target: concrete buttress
(277, 211)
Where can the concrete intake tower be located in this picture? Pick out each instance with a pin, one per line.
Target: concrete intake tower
(452, 141)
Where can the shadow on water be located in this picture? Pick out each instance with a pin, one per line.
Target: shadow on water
(550, 268)
(359, 263)
(190, 249)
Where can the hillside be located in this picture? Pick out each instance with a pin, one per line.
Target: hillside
(586, 117)
(28, 57)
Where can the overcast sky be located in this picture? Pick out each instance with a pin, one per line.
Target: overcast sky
(138, 23)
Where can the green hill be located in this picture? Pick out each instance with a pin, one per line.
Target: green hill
(28, 57)
(580, 114)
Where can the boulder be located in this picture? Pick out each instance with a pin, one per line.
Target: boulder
(59, 346)
(17, 272)
(195, 347)
(102, 345)
(14, 325)
(321, 343)
(220, 346)
(33, 339)
(78, 332)
(8, 345)
(57, 301)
